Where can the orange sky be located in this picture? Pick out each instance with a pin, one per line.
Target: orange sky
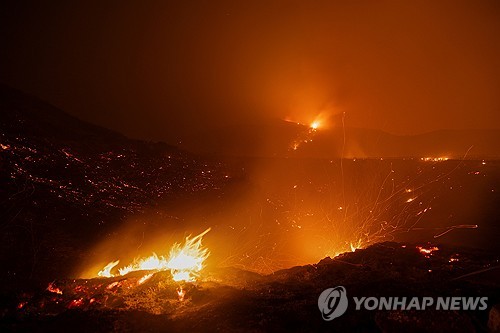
(161, 70)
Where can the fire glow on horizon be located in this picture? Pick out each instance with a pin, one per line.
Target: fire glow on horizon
(307, 135)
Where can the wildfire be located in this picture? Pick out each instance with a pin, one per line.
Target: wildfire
(306, 136)
(185, 261)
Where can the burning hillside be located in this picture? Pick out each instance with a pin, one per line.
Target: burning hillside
(250, 166)
(65, 183)
(228, 299)
(106, 233)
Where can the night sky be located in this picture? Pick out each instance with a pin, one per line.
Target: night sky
(163, 69)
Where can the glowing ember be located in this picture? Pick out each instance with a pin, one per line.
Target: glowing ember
(53, 289)
(75, 303)
(185, 261)
(427, 252)
(114, 284)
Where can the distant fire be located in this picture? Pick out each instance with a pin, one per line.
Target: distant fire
(307, 135)
(434, 159)
(184, 262)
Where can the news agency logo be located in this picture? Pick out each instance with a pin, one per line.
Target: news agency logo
(333, 302)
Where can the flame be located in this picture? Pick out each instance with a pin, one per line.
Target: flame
(106, 271)
(181, 293)
(144, 278)
(145, 264)
(315, 125)
(356, 245)
(185, 261)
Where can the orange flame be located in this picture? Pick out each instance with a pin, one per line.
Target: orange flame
(106, 271)
(144, 278)
(181, 293)
(185, 261)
